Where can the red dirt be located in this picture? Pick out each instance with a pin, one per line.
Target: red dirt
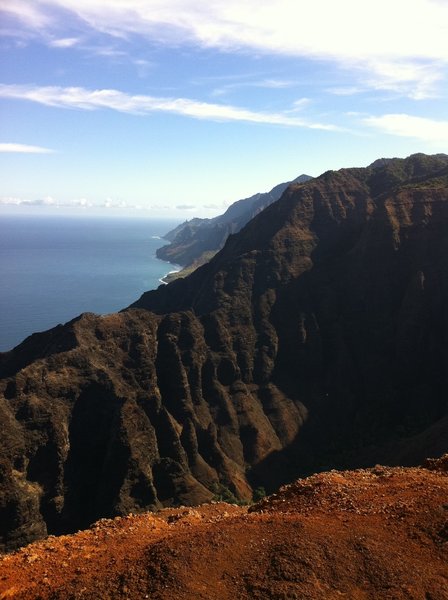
(376, 533)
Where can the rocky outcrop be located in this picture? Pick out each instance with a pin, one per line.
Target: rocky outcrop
(195, 242)
(315, 339)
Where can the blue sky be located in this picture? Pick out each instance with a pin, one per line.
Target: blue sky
(180, 107)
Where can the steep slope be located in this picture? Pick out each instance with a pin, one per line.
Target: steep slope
(372, 534)
(316, 338)
(194, 242)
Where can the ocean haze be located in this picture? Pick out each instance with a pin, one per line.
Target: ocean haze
(55, 267)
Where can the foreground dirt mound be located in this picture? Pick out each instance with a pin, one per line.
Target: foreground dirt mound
(376, 533)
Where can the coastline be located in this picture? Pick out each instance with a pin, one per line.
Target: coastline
(172, 272)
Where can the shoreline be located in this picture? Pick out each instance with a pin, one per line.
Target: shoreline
(176, 270)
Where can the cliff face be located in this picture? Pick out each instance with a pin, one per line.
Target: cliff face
(194, 242)
(316, 338)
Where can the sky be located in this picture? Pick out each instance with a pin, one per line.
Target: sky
(177, 108)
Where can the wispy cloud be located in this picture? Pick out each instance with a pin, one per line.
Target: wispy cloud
(64, 42)
(143, 66)
(427, 130)
(186, 207)
(349, 90)
(81, 98)
(381, 40)
(417, 80)
(275, 84)
(34, 15)
(49, 201)
(299, 105)
(107, 51)
(11, 200)
(108, 205)
(24, 149)
(14, 201)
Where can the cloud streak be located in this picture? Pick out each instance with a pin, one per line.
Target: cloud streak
(384, 41)
(404, 125)
(14, 201)
(107, 205)
(24, 149)
(49, 201)
(84, 99)
(186, 207)
(275, 84)
(34, 16)
(414, 79)
(64, 42)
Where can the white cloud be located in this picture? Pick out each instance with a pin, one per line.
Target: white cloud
(109, 203)
(81, 204)
(349, 90)
(299, 105)
(186, 207)
(276, 84)
(107, 51)
(64, 43)
(46, 201)
(24, 149)
(69, 203)
(413, 79)
(77, 202)
(34, 15)
(10, 200)
(382, 39)
(143, 67)
(81, 98)
(160, 207)
(421, 128)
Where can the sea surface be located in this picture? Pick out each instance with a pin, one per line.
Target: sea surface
(53, 268)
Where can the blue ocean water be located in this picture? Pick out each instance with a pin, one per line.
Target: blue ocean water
(53, 268)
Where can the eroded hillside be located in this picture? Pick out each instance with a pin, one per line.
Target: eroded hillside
(316, 338)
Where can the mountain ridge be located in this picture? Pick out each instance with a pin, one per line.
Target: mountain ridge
(314, 339)
(194, 242)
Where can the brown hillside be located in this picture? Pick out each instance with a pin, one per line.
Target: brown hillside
(315, 339)
(380, 533)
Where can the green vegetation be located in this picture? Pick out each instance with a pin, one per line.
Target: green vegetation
(259, 494)
(221, 493)
(429, 184)
(204, 258)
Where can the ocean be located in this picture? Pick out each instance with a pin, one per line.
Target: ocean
(53, 268)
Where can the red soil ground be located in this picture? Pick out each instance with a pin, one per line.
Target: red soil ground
(380, 533)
